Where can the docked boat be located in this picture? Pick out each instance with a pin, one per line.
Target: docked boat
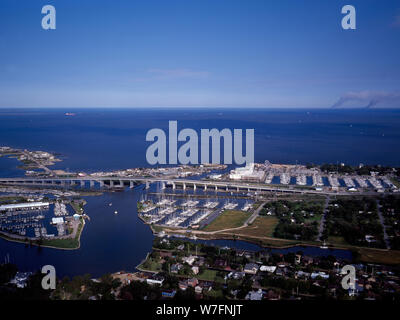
(324, 246)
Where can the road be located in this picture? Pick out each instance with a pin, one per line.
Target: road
(322, 222)
(385, 236)
(185, 182)
(26, 154)
(251, 219)
(210, 218)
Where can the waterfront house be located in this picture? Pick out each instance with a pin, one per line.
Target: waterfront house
(195, 270)
(308, 260)
(251, 268)
(168, 293)
(320, 274)
(272, 295)
(175, 268)
(255, 295)
(183, 285)
(220, 263)
(155, 280)
(200, 261)
(302, 274)
(280, 271)
(189, 260)
(207, 285)
(236, 275)
(270, 269)
(21, 279)
(192, 282)
(198, 289)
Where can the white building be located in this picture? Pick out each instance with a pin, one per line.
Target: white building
(189, 260)
(57, 220)
(24, 206)
(270, 269)
(155, 280)
(247, 172)
(255, 295)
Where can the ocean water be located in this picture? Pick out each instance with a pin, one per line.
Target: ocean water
(104, 139)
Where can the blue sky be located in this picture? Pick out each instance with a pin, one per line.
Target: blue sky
(199, 53)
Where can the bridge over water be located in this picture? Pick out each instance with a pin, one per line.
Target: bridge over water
(115, 182)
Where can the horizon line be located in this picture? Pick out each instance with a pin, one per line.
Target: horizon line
(200, 107)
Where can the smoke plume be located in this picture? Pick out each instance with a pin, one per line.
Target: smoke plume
(369, 99)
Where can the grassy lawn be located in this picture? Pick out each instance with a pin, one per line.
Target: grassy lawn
(395, 182)
(8, 199)
(316, 217)
(78, 206)
(150, 265)
(209, 275)
(263, 226)
(216, 294)
(228, 219)
(336, 240)
(61, 243)
(65, 243)
(262, 241)
(379, 256)
(157, 228)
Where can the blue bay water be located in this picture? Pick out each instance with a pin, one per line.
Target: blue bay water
(103, 139)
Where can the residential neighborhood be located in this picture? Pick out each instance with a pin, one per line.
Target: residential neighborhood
(175, 270)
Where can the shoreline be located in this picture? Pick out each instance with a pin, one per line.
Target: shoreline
(363, 254)
(9, 238)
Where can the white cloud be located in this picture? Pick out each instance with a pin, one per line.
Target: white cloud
(178, 73)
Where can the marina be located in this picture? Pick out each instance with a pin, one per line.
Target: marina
(163, 210)
(349, 182)
(35, 220)
(361, 181)
(285, 178)
(301, 180)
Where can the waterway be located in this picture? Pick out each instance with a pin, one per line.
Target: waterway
(101, 139)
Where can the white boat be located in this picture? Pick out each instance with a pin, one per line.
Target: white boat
(324, 246)
(115, 212)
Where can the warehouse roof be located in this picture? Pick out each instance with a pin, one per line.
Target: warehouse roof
(23, 205)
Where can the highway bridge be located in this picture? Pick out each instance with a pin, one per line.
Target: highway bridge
(121, 182)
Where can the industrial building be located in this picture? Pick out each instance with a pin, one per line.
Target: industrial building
(24, 206)
(57, 220)
(247, 173)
